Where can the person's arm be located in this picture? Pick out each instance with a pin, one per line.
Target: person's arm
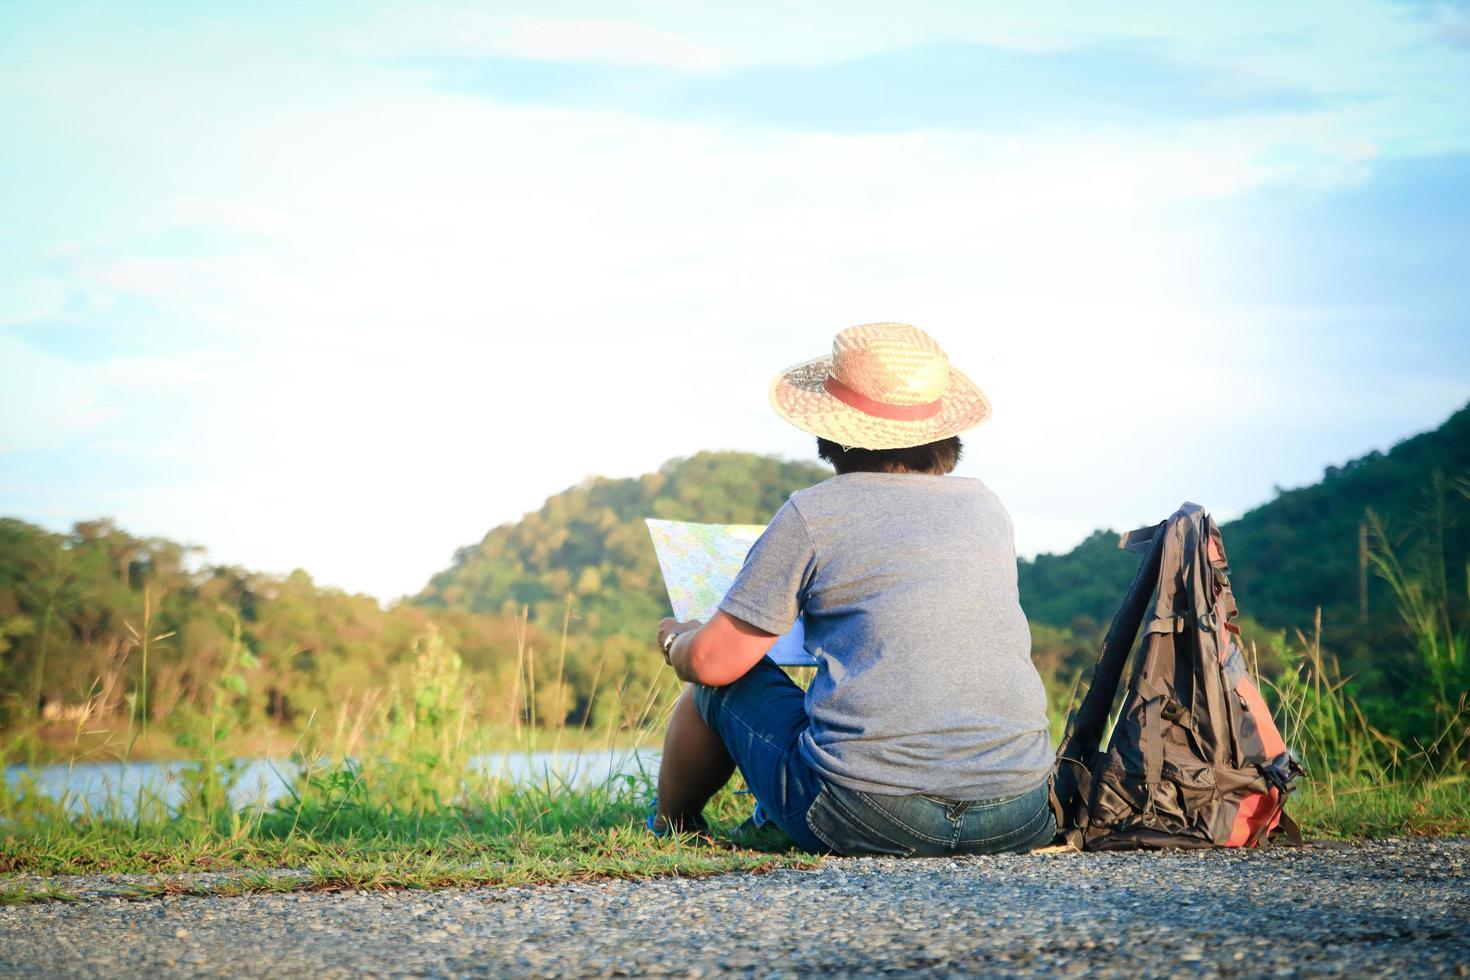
(760, 605)
(716, 653)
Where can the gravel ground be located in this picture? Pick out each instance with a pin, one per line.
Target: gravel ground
(1400, 907)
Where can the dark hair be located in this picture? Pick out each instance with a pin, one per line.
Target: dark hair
(936, 458)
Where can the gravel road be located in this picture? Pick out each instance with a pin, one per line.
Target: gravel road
(1398, 907)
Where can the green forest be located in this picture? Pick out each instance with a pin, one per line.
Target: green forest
(100, 629)
(98, 626)
(1331, 546)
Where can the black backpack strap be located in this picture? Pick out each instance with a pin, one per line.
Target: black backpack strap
(1084, 729)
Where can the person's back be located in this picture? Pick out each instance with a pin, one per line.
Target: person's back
(907, 587)
(924, 678)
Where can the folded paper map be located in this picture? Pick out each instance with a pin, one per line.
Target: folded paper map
(700, 562)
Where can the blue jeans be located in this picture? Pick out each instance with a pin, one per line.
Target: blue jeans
(761, 717)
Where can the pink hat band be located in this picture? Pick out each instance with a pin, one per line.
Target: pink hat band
(882, 410)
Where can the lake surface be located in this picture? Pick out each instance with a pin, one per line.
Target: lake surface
(99, 786)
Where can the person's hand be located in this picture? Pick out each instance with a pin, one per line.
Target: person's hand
(669, 625)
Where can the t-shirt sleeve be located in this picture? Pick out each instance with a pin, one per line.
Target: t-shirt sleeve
(772, 583)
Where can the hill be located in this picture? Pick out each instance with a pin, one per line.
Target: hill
(591, 542)
(1301, 551)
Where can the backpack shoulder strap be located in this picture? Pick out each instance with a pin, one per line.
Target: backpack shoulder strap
(1084, 728)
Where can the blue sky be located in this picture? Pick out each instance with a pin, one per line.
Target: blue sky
(341, 289)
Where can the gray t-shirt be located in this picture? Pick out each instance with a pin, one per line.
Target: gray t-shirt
(907, 586)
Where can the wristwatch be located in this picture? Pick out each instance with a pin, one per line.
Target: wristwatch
(669, 646)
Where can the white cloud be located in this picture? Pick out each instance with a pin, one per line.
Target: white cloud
(48, 400)
(478, 33)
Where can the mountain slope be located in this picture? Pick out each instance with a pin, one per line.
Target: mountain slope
(1300, 551)
(590, 541)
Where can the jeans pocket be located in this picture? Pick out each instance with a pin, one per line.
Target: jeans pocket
(1016, 825)
(849, 828)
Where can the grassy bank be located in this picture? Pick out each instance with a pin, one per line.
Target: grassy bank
(384, 793)
(403, 809)
(1362, 781)
(341, 839)
(384, 797)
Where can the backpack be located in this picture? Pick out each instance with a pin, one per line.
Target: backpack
(1195, 759)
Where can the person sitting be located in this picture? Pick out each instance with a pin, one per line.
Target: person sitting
(924, 729)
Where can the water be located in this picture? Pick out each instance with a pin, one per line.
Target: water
(104, 786)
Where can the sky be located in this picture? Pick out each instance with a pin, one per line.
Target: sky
(342, 286)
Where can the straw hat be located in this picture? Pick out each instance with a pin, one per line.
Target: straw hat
(886, 386)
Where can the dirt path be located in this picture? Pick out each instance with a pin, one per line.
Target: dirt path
(1393, 906)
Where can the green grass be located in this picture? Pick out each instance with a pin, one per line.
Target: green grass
(1362, 782)
(1402, 809)
(24, 895)
(530, 834)
(388, 800)
(462, 860)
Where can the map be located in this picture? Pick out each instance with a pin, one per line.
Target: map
(699, 563)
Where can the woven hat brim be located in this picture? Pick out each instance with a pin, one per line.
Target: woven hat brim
(798, 396)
